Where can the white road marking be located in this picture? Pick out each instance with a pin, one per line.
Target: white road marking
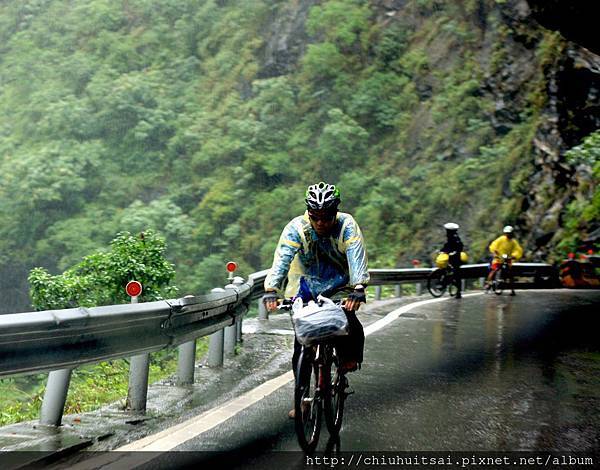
(176, 435)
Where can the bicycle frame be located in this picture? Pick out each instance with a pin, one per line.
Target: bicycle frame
(441, 279)
(503, 276)
(326, 392)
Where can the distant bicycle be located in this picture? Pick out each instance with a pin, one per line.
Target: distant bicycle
(442, 279)
(503, 278)
(320, 388)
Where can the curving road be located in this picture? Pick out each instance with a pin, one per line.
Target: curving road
(483, 373)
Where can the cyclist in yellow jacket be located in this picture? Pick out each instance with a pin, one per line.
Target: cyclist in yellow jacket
(505, 244)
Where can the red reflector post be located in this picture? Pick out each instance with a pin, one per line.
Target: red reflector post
(133, 288)
(231, 266)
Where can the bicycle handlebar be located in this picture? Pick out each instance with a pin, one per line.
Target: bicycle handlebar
(286, 304)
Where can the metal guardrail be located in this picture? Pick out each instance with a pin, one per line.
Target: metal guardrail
(39, 341)
(60, 340)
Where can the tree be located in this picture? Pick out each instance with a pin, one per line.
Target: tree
(100, 278)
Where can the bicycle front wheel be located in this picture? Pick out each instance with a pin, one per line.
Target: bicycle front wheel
(308, 403)
(436, 282)
(336, 396)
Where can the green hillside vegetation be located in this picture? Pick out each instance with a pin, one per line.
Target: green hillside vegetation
(136, 115)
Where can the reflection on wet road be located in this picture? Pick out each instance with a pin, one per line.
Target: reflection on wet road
(490, 373)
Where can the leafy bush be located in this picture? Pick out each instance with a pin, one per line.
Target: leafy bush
(100, 278)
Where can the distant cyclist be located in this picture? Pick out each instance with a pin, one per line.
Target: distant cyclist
(505, 244)
(453, 248)
(327, 249)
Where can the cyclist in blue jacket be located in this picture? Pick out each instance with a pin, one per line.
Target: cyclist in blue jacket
(325, 248)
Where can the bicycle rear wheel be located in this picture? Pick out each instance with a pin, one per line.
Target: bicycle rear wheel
(308, 402)
(336, 397)
(436, 282)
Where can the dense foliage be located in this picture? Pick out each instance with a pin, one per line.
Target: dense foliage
(583, 212)
(136, 115)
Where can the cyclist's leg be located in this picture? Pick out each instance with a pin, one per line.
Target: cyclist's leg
(356, 339)
(455, 260)
(458, 283)
(493, 269)
(295, 359)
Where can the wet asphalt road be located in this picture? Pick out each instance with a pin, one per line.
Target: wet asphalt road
(485, 373)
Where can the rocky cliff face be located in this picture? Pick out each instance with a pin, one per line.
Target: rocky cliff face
(286, 39)
(562, 69)
(571, 112)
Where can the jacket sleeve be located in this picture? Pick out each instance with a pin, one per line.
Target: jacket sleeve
(494, 245)
(356, 254)
(288, 245)
(517, 252)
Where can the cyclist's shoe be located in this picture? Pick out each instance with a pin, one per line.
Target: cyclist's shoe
(486, 287)
(292, 412)
(459, 295)
(513, 293)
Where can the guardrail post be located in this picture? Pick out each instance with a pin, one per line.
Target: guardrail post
(215, 349)
(481, 282)
(186, 363)
(238, 325)
(377, 292)
(463, 285)
(139, 368)
(215, 344)
(398, 290)
(55, 397)
(137, 392)
(230, 340)
(231, 332)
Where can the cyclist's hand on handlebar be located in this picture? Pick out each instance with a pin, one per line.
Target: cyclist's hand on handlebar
(355, 298)
(270, 301)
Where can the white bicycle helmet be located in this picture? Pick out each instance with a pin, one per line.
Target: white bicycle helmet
(508, 229)
(451, 226)
(322, 196)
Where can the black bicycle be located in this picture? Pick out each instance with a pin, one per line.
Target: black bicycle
(502, 278)
(320, 388)
(441, 279)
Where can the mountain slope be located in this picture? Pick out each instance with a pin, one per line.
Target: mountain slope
(206, 121)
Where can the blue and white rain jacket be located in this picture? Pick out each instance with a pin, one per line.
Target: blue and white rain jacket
(326, 263)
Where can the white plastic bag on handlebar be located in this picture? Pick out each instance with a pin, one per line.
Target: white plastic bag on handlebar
(314, 322)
